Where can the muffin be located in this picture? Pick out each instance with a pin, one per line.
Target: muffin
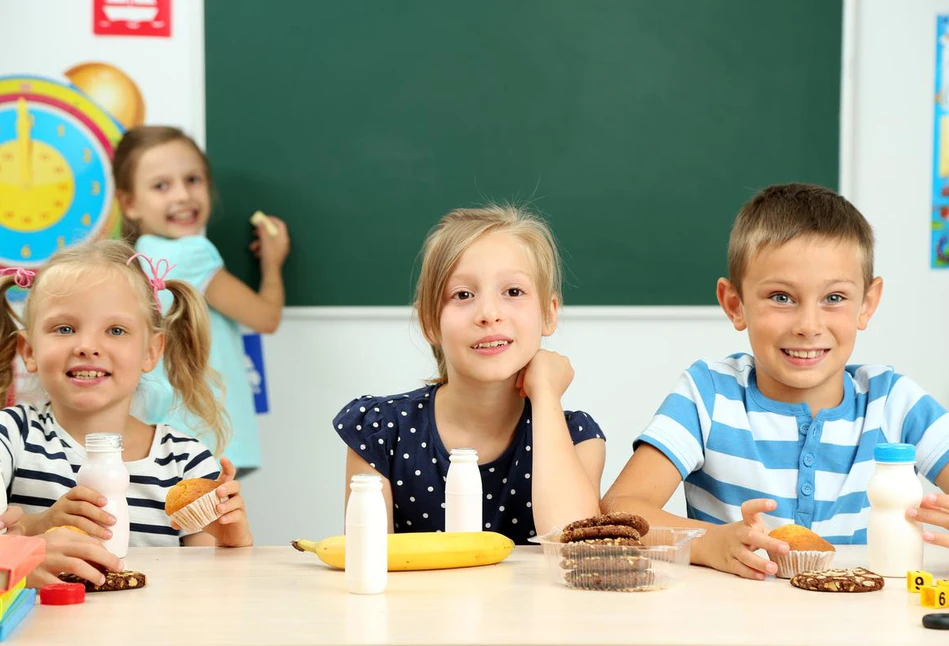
(809, 551)
(192, 504)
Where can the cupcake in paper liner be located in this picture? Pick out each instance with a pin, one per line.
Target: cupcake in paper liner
(809, 551)
(192, 504)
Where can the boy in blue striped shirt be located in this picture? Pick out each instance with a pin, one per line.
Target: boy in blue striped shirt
(786, 435)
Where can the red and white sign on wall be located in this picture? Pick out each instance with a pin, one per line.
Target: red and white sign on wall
(132, 18)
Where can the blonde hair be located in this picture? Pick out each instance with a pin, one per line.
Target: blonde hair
(135, 143)
(452, 236)
(781, 213)
(186, 326)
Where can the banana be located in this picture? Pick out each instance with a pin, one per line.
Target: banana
(421, 550)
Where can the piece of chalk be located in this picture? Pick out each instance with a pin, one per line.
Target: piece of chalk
(260, 217)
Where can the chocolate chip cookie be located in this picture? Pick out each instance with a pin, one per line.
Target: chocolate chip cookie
(839, 580)
(125, 580)
(618, 518)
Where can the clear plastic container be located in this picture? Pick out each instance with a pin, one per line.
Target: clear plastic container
(661, 562)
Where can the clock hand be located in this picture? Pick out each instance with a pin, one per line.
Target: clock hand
(24, 143)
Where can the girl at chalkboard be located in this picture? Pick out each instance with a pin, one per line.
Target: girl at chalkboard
(488, 292)
(163, 184)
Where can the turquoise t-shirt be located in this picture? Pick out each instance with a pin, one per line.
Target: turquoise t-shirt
(197, 261)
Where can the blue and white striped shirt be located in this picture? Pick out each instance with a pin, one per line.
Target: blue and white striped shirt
(730, 443)
(39, 461)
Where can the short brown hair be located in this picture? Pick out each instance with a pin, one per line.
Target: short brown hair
(452, 236)
(135, 143)
(783, 212)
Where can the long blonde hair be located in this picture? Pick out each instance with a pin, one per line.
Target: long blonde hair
(186, 325)
(452, 236)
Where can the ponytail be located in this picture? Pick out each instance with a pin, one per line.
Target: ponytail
(9, 329)
(187, 357)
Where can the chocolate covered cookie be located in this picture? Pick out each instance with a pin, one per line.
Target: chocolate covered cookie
(616, 580)
(838, 580)
(619, 518)
(125, 580)
(598, 531)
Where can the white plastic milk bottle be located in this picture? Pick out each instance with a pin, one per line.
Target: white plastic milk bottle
(105, 473)
(367, 540)
(895, 543)
(463, 504)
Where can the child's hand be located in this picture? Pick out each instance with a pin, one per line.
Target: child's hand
(547, 373)
(10, 518)
(271, 249)
(232, 528)
(80, 507)
(933, 510)
(73, 553)
(731, 548)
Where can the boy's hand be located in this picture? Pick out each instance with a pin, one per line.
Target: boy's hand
(271, 249)
(547, 372)
(73, 553)
(731, 548)
(232, 528)
(80, 507)
(933, 510)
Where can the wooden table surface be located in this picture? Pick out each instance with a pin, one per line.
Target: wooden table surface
(275, 595)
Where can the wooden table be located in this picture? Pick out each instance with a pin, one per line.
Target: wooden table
(275, 595)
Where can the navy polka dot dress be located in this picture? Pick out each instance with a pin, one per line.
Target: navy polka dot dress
(396, 435)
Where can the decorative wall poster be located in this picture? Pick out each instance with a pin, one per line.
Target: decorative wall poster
(131, 18)
(939, 244)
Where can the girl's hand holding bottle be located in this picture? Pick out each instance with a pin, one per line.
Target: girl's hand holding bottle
(80, 507)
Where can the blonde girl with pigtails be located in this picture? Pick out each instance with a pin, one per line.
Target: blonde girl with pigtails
(92, 325)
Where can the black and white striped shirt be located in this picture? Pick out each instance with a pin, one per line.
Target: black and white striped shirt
(39, 462)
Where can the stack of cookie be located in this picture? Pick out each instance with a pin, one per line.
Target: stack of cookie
(604, 553)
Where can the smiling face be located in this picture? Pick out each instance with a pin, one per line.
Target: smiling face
(802, 304)
(492, 318)
(170, 195)
(90, 344)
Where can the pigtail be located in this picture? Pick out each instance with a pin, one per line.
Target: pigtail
(187, 355)
(10, 325)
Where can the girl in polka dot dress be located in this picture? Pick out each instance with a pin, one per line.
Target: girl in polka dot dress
(488, 292)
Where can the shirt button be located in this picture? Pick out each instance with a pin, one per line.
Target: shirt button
(808, 459)
(807, 489)
(805, 426)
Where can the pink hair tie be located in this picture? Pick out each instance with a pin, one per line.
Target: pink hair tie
(157, 281)
(22, 277)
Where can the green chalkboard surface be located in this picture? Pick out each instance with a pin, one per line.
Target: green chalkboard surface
(638, 128)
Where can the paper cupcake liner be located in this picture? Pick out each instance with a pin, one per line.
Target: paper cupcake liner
(797, 561)
(200, 513)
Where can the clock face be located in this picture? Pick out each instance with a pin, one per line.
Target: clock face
(55, 169)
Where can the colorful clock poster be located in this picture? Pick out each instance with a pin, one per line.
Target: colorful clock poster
(56, 145)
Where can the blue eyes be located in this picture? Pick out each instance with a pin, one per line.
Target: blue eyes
(68, 329)
(784, 299)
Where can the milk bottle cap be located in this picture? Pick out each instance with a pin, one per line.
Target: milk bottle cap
(894, 453)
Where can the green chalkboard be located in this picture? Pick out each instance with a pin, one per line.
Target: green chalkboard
(638, 128)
